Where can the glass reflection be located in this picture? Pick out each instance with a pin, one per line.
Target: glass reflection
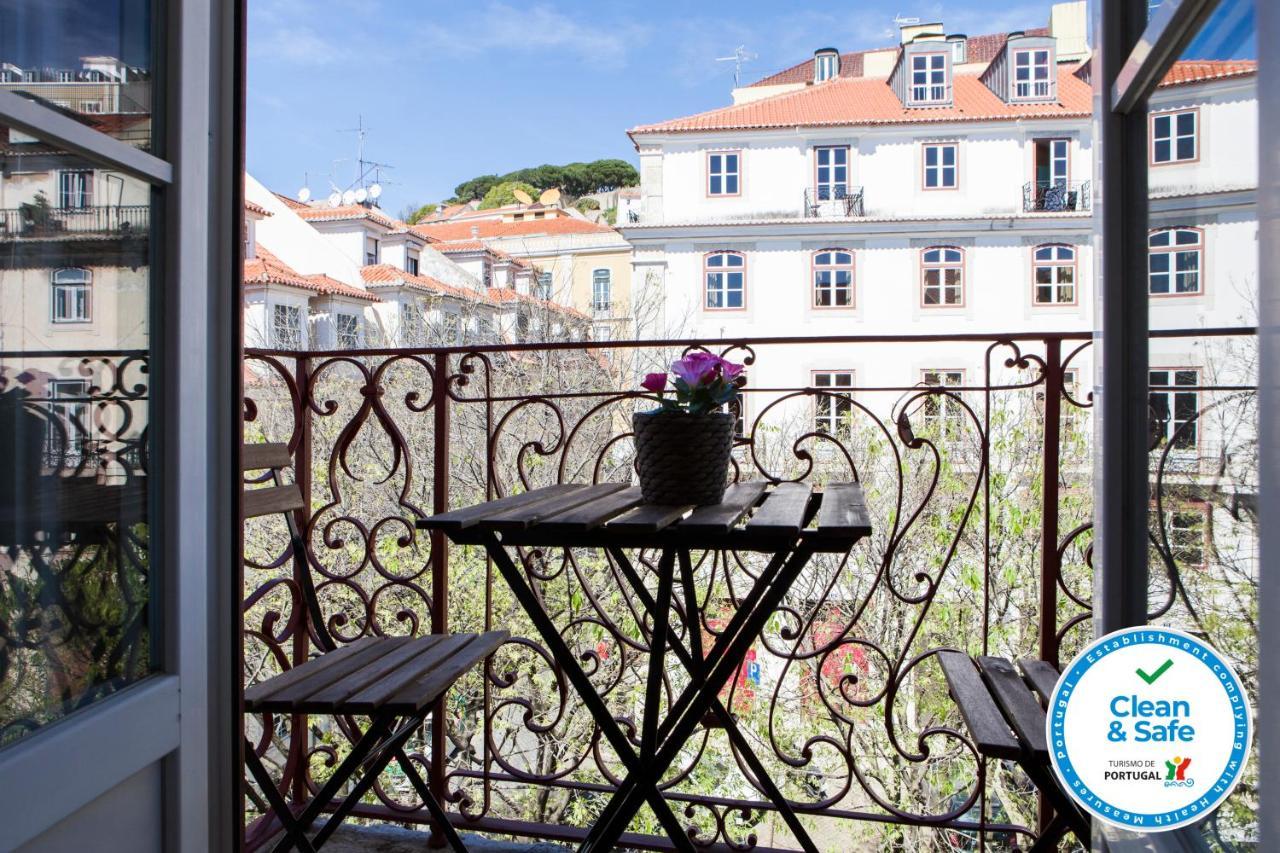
(74, 394)
(90, 59)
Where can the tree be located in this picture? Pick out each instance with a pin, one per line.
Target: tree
(504, 193)
(585, 204)
(611, 174)
(475, 188)
(413, 214)
(575, 179)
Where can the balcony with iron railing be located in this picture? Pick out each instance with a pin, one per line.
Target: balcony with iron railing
(980, 497)
(35, 222)
(1056, 196)
(833, 200)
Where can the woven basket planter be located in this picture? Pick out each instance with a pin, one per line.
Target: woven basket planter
(683, 458)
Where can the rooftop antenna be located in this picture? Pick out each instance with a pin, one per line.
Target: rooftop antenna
(368, 173)
(740, 57)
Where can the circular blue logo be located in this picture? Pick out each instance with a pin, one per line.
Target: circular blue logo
(1149, 729)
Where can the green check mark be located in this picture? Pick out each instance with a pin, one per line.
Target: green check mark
(1151, 679)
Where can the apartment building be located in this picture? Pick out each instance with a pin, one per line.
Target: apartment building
(938, 187)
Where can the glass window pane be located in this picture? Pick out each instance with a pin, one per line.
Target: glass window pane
(74, 402)
(91, 58)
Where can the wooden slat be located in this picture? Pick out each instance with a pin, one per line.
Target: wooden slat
(987, 726)
(281, 692)
(286, 498)
(1019, 704)
(338, 693)
(460, 519)
(843, 512)
(592, 515)
(522, 517)
(782, 512)
(648, 518)
(720, 518)
(1041, 675)
(430, 686)
(256, 456)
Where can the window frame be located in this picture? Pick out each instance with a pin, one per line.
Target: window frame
(1067, 158)
(596, 306)
(1172, 114)
(1049, 81)
(55, 286)
(276, 308)
(945, 404)
(817, 167)
(830, 394)
(1199, 247)
(411, 262)
(338, 317)
(815, 268)
(939, 166)
(1055, 263)
(946, 79)
(831, 61)
(925, 266)
(707, 271)
(1204, 511)
(89, 195)
(1170, 392)
(724, 173)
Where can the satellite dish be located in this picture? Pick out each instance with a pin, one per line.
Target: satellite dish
(375, 190)
(335, 198)
(551, 196)
(349, 197)
(523, 197)
(361, 195)
(304, 195)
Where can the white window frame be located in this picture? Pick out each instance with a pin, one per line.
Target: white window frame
(718, 170)
(411, 262)
(602, 290)
(933, 88)
(71, 286)
(833, 410)
(1183, 261)
(543, 288)
(939, 169)
(825, 277)
(346, 338)
(941, 266)
(943, 416)
(372, 251)
(1058, 260)
(75, 189)
(1033, 87)
(286, 335)
(826, 67)
(836, 184)
(1165, 398)
(1172, 135)
(718, 279)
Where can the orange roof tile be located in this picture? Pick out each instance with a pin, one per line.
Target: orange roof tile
(1199, 70)
(266, 268)
(350, 211)
(386, 275)
(256, 208)
(291, 202)
(460, 246)
(864, 101)
(506, 294)
(490, 228)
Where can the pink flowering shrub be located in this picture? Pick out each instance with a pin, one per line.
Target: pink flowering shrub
(702, 383)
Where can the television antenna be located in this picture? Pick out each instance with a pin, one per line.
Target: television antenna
(368, 183)
(740, 57)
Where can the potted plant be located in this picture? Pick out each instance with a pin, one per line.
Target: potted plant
(683, 447)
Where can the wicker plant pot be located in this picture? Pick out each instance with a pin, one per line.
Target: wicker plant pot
(683, 458)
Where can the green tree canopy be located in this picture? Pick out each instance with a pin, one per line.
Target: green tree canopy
(504, 193)
(575, 179)
(413, 213)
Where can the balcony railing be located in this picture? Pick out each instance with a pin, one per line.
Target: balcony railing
(1056, 196)
(833, 200)
(980, 496)
(33, 222)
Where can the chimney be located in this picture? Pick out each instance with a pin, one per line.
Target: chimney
(959, 48)
(475, 232)
(914, 30)
(826, 64)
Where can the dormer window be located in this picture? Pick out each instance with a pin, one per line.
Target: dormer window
(826, 65)
(929, 84)
(959, 49)
(1032, 78)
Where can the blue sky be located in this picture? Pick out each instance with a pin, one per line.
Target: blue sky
(452, 89)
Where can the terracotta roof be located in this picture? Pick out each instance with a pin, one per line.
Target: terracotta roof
(460, 246)
(506, 294)
(386, 275)
(446, 212)
(1199, 70)
(864, 101)
(256, 208)
(266, 268)
(350, 211)
(977, 49)
(489, 228)
(291, 202)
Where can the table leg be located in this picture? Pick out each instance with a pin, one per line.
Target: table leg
(292, 829)
(739, 741)
(686, 712)
(692, 618)
(582, 684)
(657, 645)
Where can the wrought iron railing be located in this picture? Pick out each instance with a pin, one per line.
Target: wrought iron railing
(833, 200)
(981, 502)
(35, 221)
(1056, 196)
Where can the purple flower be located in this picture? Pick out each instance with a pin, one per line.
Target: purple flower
(730, 370)
(696, 368)
(655, 382)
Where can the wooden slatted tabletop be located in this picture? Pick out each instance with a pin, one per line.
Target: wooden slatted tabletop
(753, 516)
